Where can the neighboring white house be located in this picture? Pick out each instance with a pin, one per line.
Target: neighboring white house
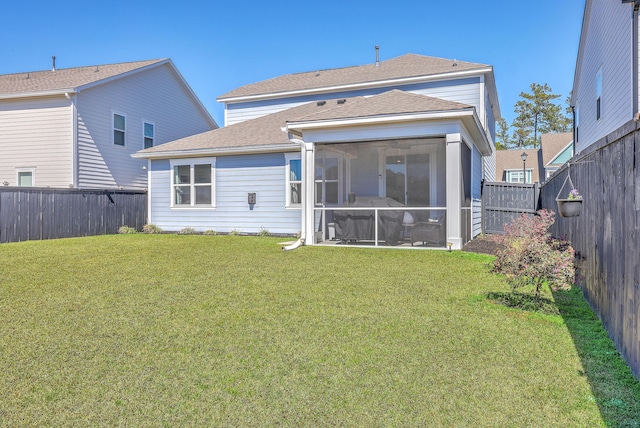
(390, 152)
(605, 85)
(77, 127)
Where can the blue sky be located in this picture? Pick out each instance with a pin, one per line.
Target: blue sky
(218, 46)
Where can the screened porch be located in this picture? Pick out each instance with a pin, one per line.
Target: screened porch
(388, 192)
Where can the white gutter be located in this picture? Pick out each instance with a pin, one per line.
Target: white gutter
(178, 153)
(49, 93)
(364, 85)
(302, 238)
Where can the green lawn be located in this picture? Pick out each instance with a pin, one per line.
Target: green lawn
(168, 330)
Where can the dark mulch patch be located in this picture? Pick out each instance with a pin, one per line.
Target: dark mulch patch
(483, 244)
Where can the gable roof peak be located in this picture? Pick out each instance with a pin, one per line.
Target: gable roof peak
(406, 66)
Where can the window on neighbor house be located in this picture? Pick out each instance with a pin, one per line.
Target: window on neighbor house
(293, 179)
(149, 132)
(25, 178)
(577, 121)
(119, 129)
(599, 94)
(517, 176)
(193, 184)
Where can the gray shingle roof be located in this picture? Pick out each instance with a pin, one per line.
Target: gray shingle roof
(268, 131)
(65, 78)
(405, 66)
(387, 103)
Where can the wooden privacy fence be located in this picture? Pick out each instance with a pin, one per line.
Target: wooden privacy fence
(606, 235)
(504, 202)
(43, 213)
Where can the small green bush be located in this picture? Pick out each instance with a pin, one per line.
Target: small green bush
(127, 230)
(151, 229)
(235, 232)
(187, 231)
(263, 232)
(210, 232)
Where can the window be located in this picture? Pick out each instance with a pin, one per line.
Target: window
(577, 121)
(599, 94)
(193, 183)
(25, 177)
(119, 129)
(149, 134)
(293, 179)
(516, 176)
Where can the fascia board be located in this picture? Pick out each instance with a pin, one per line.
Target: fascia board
(581, 46)
(50, 93)
(121, 75)
(172, 154)
(363, 85)
(336, 123)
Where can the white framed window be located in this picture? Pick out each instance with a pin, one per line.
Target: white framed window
(599, 94)
(119, 129)
(148, 134)
(26, 177)
(293, 172)
(193, 183)
(517, 176)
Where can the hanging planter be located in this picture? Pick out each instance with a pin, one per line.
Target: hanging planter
(571, 206)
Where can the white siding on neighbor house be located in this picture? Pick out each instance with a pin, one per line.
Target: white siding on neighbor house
(37, 133)
(476, 192)
(607, 46)
(466, 91)
(235, 178)
(155, 96)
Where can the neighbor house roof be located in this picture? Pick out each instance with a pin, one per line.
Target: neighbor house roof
(552, 144)
(64, 79)
(269, 133)
(70, 80)
(512, 160)
(403, 67)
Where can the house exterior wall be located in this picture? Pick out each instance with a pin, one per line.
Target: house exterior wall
(476, 192)
(606, 47)
(154, 96)
(467, 91)
(37, 133)
(235, 177)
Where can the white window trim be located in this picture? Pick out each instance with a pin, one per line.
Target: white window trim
(32, 170)
(145, 122)
(529, 175)
(287, 189)
(113, 128)
(191, 163)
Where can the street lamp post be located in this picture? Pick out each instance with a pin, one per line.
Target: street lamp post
(524, 166)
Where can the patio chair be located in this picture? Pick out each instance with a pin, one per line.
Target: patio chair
(430, 232)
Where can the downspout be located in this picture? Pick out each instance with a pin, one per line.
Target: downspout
(300, 241)
(634, 55)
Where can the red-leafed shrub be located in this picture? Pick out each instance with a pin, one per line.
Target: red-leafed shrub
(531, 256)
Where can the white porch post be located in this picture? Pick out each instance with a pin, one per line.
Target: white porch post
(454, 189)
(308, 179)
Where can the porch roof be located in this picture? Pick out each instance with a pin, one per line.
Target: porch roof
(392, 107)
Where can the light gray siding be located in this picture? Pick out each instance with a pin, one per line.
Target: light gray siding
(156, 96)
(606, 44)
(38, 134)
(489, 165)
(476, 192)
(235, 177)
(466, 91)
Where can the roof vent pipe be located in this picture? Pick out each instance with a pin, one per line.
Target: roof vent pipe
(53, 60)
(377, 55)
